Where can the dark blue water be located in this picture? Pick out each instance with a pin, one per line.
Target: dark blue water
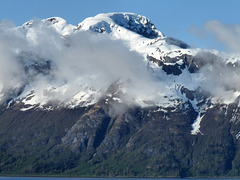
(66, 178)
(70, 178)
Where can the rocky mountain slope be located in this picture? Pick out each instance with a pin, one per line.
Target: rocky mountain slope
(113, 96)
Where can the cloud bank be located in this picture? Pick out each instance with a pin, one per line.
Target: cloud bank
(58, 69)
(40, 64)
(219, 77)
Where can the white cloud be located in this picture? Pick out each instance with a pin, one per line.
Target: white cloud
(83, 61)
(219, 78)
(226, 34)
(91, 62)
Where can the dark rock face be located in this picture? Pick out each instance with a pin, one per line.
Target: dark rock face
(26, 137)
(88, 132)
(177, 42)
(192, 63)
(215, 151)
(136, 23)
(175, 68)
(96, 141)
(172, 69)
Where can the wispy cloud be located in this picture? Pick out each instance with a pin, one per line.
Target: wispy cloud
(226, 34)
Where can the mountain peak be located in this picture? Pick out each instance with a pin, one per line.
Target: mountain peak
(131, 21)
(58, 23)
(137, 23)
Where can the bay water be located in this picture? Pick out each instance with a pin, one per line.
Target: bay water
(72, 178)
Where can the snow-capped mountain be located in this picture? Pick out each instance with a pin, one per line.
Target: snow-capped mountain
(134, 31)
(119, 81)
(168, 67)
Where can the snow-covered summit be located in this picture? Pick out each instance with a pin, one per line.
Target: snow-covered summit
(138, 33)
(134, 22)
(58, 23)
(61, 25)
(71, 66)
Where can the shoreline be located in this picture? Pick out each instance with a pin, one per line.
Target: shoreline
(108, 177)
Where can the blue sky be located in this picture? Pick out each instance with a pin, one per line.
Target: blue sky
(172, 17)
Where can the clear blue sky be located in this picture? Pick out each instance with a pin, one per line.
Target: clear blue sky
(172, 17)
